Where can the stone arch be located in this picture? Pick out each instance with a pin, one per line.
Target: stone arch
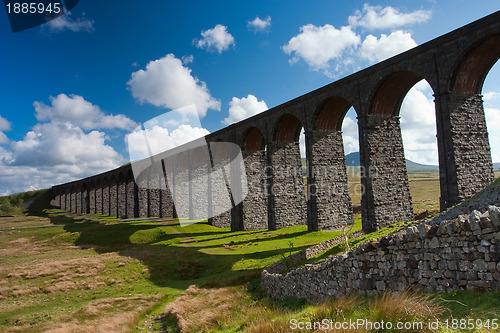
(287, 202)
(287, 129)
(330, 114)
(390, 92)
(329, 203)
(253, 140)
(473, 66)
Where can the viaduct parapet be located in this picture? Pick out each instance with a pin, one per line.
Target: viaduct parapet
(455, 66)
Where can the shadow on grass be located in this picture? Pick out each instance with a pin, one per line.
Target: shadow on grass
(173, 263)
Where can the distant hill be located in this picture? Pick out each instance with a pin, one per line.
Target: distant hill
(496, 166)
(352, 159)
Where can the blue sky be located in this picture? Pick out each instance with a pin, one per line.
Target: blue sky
(72, 89)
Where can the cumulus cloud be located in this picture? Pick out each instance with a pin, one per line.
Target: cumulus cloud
(217, 38)
(242, 108)
(318, 46)
(75, 110)
(62, 143)
(65, 145)
(65, 22)
(167, 83)
(160, 139)
(377, 49)
(377, 17)
(259, 24)
(418, 125)
(4, 126)
(490, 96)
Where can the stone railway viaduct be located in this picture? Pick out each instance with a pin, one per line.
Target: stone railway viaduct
(455, 66)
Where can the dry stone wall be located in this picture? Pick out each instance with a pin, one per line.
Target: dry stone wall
(462, 253)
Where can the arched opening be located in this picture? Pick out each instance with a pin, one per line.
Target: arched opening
(286, 186)
(418, 129)
(491, 99)
(329, 176)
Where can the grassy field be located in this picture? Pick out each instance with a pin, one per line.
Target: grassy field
(67, 273)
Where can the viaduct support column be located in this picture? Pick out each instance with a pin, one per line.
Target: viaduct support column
(142, 195)
(122, 198)
(154, 193)
(329, 203)
(98, 199)
(220, 204)
(131, 189)
(92, 199)
(465, 165)
(287, 190)
(113, 198)
(105, 198)
(199, 167)
(254, 206)
(386, 191)
(79, 200)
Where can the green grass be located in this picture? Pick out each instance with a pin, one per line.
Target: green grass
(96, 271)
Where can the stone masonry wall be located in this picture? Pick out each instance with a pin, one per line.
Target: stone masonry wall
(329, 191)
(255, 203)
(471, 148)
(462, 253)
(386, 198)
(287, 191)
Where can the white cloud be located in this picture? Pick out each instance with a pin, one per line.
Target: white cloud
(377, 49)
(318, 46)
(376, 17)
(75, 110)
(62, 147)
(259, 24)
(186, 60)
(160, 139)
(418, 125)
(217, 38)
(242, 108)
(167, 83)
(54, 153)
(492, 118)
(4, 126)
(490, 96)
(58, 143)
(65, 22)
